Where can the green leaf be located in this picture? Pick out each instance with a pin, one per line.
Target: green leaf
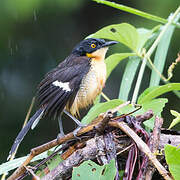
(100, 108)
(109, 171)
(113, 60)
(121, 174)
(151, 41)
(97, 100)
(53, 162)
(176, 120)
(10, 165)
(124, 33)
(40, 173)
(172, 155)
(156, 105)
(89, 170)
(154, 92)
(144, 36)
(128, 77)
(161, 53)
(133, 63)
(127, 34)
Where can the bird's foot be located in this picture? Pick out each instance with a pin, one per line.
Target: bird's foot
(75, 132)
(60, 135)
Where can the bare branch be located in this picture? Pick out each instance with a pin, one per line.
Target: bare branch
(143, 147)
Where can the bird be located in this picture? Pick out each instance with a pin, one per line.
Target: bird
(73, 85)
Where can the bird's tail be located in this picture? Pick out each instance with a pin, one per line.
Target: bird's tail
(31, 123)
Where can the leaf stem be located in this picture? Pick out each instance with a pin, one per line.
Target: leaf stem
(136, 12)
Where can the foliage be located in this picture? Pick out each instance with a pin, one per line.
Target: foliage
(141, 43)
(113, 60)
(100, 108)
(161, 53)
(137, 40)
(172, 155)
(53, 162)
(8, 166)
(153, 92)
(176, 120)
(89, 170)
(124, 33)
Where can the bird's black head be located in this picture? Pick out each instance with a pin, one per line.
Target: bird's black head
(91, 45)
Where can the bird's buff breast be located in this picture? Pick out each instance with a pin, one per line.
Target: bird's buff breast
(91, 86)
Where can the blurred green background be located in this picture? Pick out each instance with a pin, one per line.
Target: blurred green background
(35, 35)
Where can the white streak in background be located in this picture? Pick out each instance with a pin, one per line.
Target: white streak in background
(35, 15)
(64, 86)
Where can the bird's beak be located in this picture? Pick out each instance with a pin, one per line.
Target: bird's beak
(109, 43)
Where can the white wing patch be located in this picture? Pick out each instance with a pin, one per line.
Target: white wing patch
(63, 85)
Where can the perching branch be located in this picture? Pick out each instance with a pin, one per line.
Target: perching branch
(90, 146)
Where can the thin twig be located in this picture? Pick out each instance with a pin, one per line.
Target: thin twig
(105, 97)
(29, 112)
(125, 149)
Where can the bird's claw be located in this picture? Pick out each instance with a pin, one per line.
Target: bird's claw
(75, 132)
(60, 135)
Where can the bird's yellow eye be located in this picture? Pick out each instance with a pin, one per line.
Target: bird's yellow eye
(93, 45)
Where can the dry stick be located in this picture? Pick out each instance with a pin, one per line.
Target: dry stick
(40, 149)
(125, 149)
(90, 151)
(143, 147)
(154, 145)
(64, 169)
(124, 128)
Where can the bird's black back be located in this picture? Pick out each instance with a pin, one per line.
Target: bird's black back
(54, 98)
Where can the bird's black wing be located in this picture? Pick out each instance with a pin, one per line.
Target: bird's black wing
(52, 98)
(61, 84)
